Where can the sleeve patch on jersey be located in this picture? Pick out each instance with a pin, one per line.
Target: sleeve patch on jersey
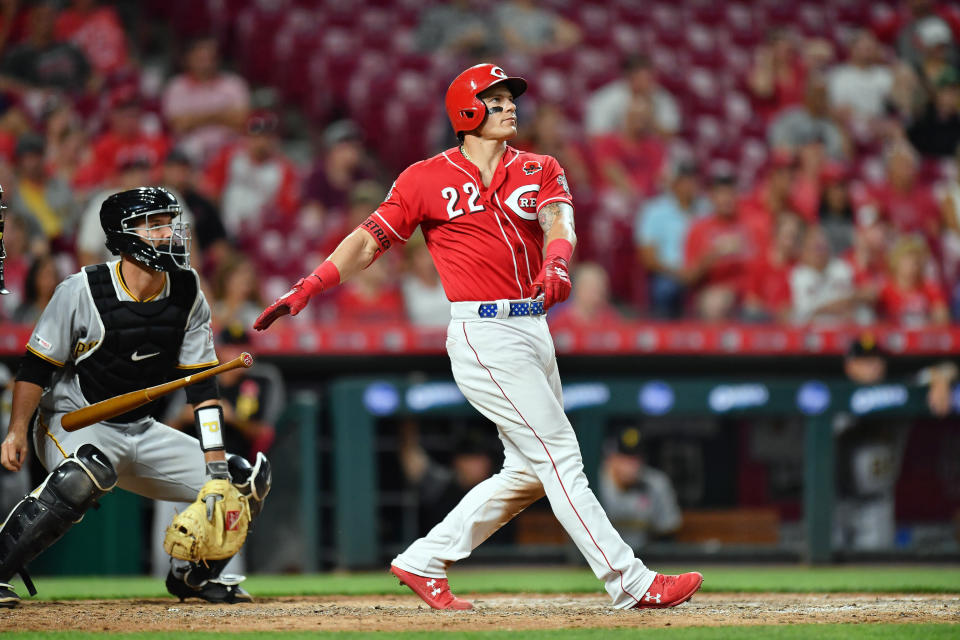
(530, 167)
(378, 233)
(562, 180)
(46, 346)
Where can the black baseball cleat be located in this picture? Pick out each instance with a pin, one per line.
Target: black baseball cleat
(8, 597)
(224, 589)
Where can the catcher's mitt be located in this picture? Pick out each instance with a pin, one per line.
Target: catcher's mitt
(214, 527)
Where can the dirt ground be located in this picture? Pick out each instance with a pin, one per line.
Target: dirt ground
(491, 612)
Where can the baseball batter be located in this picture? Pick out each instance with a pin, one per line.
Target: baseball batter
(109, 329)
(487, 211)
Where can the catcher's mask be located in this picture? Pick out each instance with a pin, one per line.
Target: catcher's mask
(125, 218)
(3, 251)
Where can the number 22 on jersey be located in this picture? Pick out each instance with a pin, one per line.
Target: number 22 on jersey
(452, 196)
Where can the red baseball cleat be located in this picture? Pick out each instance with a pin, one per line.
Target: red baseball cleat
(669, 591)
(434, 591)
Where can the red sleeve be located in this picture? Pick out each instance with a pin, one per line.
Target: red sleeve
(935, 295)
(553, 185)
(67, 23)
(99, 166)
(888, 302)
(694, 245)
(288, 198)
(398, 215)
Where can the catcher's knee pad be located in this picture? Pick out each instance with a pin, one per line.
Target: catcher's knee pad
(253, 481)
(42, 517)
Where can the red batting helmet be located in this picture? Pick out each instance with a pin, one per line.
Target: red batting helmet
(465, 110)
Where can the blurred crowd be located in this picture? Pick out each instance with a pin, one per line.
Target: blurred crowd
(749, 162)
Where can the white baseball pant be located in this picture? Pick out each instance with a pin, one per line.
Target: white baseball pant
(507, 369)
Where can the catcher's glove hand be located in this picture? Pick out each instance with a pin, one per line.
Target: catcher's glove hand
(214, 527)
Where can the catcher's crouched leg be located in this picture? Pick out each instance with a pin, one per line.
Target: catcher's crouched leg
(42, 517)
(203, 579)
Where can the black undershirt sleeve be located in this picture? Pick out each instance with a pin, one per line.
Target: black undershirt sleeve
(35, 369)
(204, 390)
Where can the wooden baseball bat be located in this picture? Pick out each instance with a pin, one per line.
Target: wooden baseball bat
(106, 409)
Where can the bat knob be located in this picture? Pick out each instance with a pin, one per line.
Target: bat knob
(246, 359)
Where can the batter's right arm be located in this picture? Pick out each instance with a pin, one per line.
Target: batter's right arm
(354, 254)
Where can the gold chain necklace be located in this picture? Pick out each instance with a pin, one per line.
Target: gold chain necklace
(465, 154)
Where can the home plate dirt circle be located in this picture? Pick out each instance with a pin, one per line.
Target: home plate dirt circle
(491, 612)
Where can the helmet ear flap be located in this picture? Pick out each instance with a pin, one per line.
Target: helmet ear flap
(472, 117)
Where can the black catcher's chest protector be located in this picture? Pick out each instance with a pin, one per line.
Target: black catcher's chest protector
(141, 342)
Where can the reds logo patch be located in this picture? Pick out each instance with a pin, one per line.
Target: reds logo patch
(530, 167)
(232, 519)
(523, 201)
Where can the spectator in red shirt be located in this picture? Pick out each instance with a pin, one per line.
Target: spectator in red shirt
(909, 207)
(868, 258)
(125, 137)
(589, 306)
(909, 298)
(631, 161)
(253, 180)
(205, 106)
(767, 294)
(770, 198)
(717, 251)
(778, 75)
(97, 31)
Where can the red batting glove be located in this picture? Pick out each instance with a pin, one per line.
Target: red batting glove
(553, 282)
(325, 276)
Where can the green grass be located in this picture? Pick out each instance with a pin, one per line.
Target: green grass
(824, 631)
(784, 579)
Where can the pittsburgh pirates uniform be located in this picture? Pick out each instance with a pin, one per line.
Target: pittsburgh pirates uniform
(104, 342)
(487, 245)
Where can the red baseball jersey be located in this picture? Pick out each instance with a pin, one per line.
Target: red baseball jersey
(485, 241)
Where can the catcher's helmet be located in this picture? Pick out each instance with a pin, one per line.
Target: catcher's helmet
(465, 110)
(119, 216)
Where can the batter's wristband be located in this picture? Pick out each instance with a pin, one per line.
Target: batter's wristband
(559, 248)
(324, 277)
(209, 424)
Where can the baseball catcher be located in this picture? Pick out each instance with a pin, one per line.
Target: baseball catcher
(136, 321)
